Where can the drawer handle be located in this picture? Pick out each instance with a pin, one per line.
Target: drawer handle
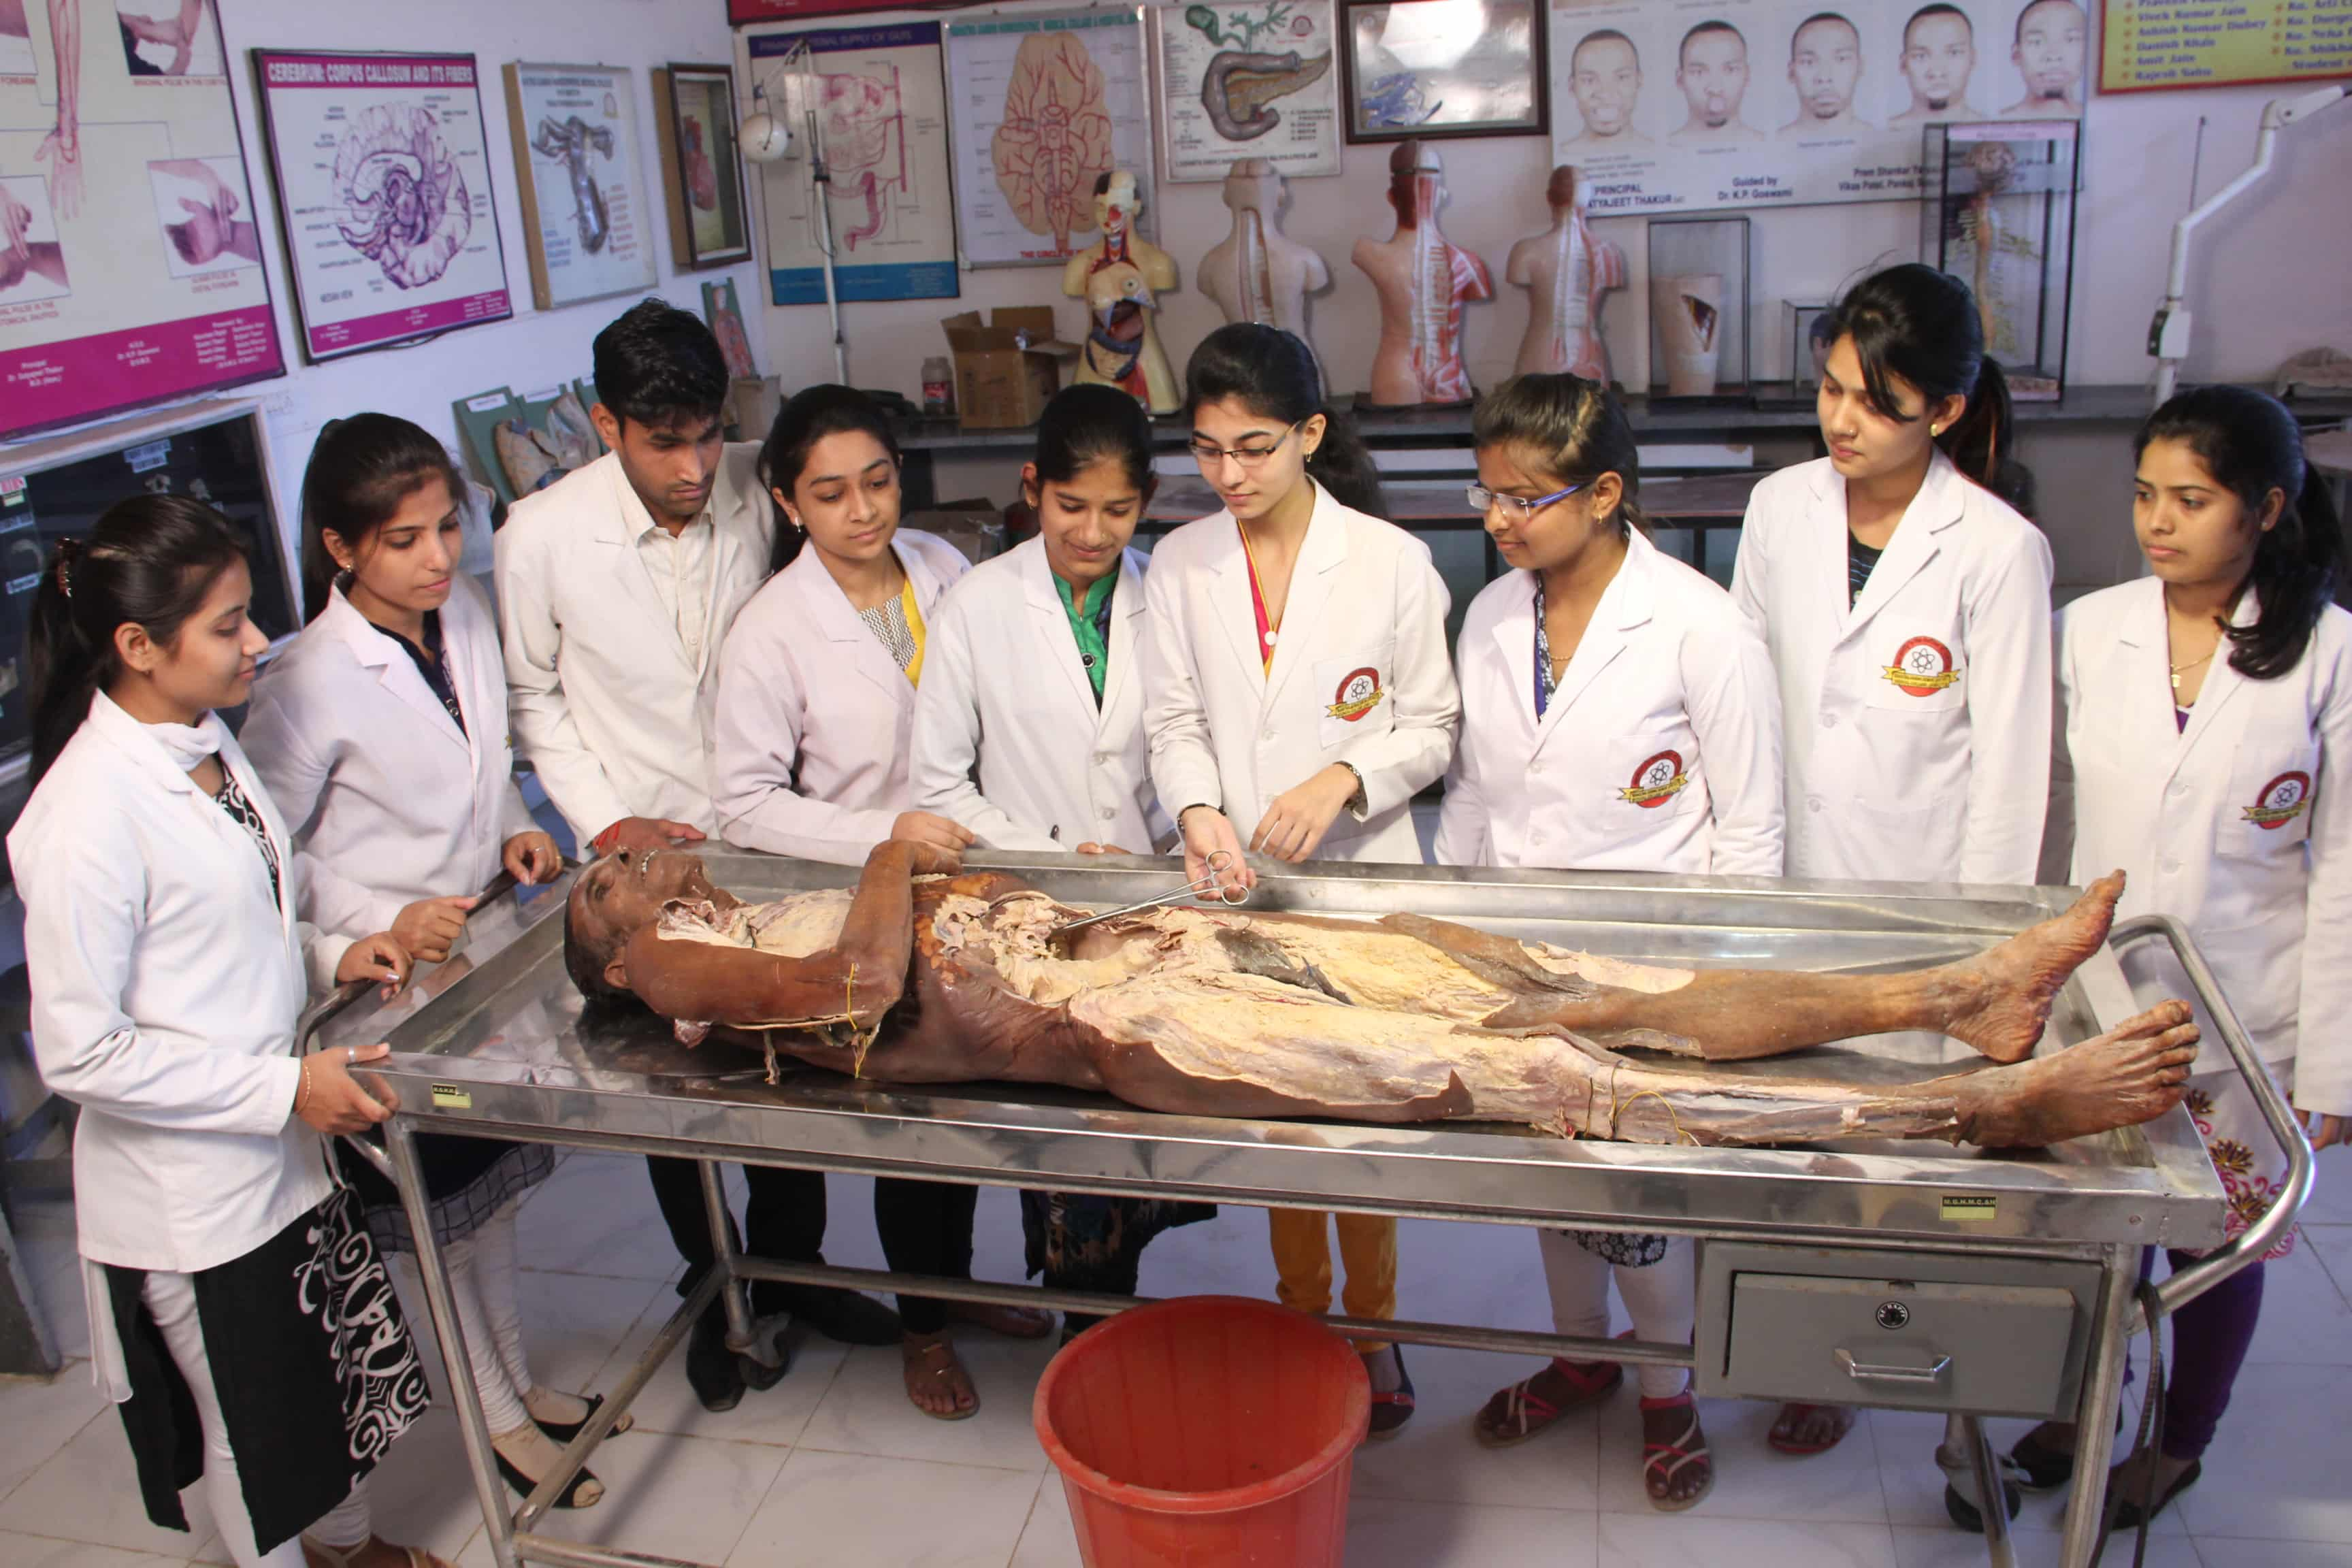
(1865, 1372)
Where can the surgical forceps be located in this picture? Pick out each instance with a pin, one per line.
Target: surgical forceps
(1220, 861)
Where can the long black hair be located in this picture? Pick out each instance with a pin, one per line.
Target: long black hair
(807, 417)
(1920, 324)
(1574, 429)
(150, 559)
(1087, 424)
(1272, 374)
(362, 469)
(2251, 445)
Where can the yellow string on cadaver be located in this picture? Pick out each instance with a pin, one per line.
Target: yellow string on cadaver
(1617, 1107)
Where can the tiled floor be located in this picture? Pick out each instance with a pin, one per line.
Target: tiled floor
(833, 1467)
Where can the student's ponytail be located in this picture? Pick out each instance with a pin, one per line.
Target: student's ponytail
(2252, 448)
(1272, 374)
(1920, 324)
(150, 559)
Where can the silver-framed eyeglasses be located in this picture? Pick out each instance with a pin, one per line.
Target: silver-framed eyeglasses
(1208, 455)
(1518, 509)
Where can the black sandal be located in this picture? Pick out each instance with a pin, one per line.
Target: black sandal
(1392, 1409)
(2127, 1513)
(564, 1431)
(524, 1486)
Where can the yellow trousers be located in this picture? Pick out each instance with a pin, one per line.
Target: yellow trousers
(1302, 1257)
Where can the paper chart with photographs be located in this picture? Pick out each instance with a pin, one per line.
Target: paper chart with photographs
(383, 190)
(578, 159)
(1039, 106)
(129, 266)
(881, 111)
(1700, 104)
(1252, 80)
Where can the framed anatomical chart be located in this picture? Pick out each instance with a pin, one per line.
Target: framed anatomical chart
(881, 115)
(702, 172)
(130, 267)
(586, 227)
(383, 192)
(1040, 106)
(1250, 80)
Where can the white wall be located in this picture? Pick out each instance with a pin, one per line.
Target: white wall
(538, 348)
(2270, 278)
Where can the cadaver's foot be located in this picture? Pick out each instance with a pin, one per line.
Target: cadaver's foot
(2135, 1073)
(2009, 989)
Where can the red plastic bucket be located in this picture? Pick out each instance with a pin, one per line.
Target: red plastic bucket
(1211, 1429)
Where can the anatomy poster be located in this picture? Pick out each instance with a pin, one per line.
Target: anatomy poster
(577, 159)
(130, 268)
(881, 116)
(1248, 81)
(383, 190)
(1743, 103)
(1041, 107)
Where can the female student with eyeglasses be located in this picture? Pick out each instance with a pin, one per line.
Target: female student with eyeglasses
(1617, 713)
(1296, 694)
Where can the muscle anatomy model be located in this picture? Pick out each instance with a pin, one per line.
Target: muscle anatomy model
(1257, 273)
(404, 201)
(1422, 279)
(569, 143)
(1053, 142)
(1565, 271)
(1406, 1019)
(1121, 276)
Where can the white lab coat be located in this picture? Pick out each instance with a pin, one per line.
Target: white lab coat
(1005, 698)
(1360, 675)
(1660, 750)
(389, 800)
(814, 716)
(1943, 777)
(2204, 823)
(166, 985)
(606, 705)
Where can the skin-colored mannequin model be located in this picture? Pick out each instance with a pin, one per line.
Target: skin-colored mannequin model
(1120, 276)
(1257, 273)
(1565, 271)
(1422, 279)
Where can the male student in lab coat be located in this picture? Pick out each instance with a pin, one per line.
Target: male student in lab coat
(615, 586)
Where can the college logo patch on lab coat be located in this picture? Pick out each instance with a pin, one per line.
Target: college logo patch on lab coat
(1657, 781)
(1922, 667)
(1358, 694)
(2282, 801)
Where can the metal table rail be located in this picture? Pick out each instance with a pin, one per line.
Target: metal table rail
(493, 1043)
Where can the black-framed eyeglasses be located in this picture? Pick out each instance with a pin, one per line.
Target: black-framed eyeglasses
(1208, 455)
(1518, 508)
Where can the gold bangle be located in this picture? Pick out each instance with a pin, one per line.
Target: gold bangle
(302, 1089)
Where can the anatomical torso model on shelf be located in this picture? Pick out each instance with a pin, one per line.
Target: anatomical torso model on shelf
(1422, 279)
(1565, 271)
(1257, 273)
(1120, 276)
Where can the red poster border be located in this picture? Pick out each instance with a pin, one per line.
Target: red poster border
(751, 13)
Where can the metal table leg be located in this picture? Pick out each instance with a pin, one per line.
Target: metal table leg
(1992, 1488)
(400, 1142)
(2095, 1418)
(725, 1261)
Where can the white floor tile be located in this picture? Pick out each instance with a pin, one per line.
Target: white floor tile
(597, 1216)
(2331, 1193)
(867, 1410)
(1399, 1534)
(2332, 1244)
(827, 1509)
(2219, 1552)
(40, 1414)
(687, 1498)
(777, 1415)
(1917, 1546)
(1655, 1539)
(1437, 1457)
(2306, 1318)
(1048, 1539)
(572, 1324)
(2277, 1469)
(423, 1493)
(213, 1554)
(1450, 1272)
(90, 1491)
(1752, 1481)
(38, 1552)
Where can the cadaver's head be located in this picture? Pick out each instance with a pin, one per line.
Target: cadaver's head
(615, 898)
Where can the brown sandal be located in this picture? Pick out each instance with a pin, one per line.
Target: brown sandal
(1662, 1462)
(1013, 1322)
(923, 1361)
(1524, 1412)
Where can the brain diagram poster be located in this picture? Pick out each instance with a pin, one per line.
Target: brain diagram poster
(1741, 103)
(1041, 107)
(383, 190)
(1248, 81)
(881, 112)
(130, 267)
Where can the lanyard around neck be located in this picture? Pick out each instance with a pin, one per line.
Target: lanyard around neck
(1266, 630)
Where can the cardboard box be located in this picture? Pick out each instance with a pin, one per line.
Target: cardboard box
(1005, 371)
(974, 527)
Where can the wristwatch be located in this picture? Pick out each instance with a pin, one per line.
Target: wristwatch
(1355, 804)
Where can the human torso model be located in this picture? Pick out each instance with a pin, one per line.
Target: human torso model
(1422, 279)
(1565, 271)
(1257, 273)
(1120, 278)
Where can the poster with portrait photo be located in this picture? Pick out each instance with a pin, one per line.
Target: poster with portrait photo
(1699, 104)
